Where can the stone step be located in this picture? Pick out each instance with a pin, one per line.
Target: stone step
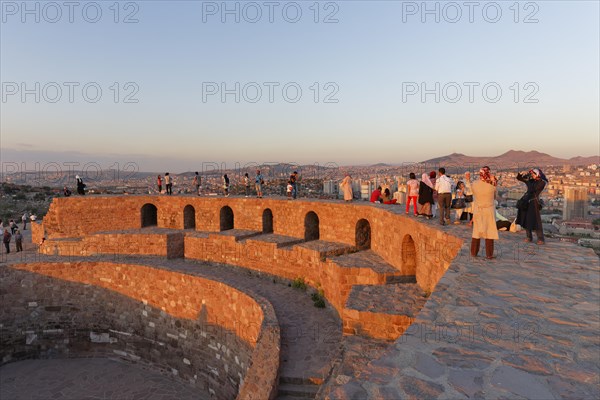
(289, 397)
(296, 380)
(365, 259)
(279, 240)
(302, 391)
(328, 249)
(394, 279)
(239, 234)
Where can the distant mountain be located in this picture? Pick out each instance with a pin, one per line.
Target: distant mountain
(380, 165)
(512, 159)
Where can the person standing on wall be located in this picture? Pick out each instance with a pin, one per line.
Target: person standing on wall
(159, 184)
(168, 184)
(346, 186)
(412, 194)
(294, 183)
(425, 196)
(226, 185)
(247, 185)
(444, 186)
(80, 186)
(484, 213)
(529, 215)
(197, 183)
(258, 183)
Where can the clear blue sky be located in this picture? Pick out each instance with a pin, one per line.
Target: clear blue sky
(369, 55)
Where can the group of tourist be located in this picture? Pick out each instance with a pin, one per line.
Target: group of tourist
(12, 230)
(197, 184)
(472, 200)
(258, 184)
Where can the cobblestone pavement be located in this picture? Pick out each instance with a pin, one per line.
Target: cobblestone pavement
(88, 379)
(522, 326)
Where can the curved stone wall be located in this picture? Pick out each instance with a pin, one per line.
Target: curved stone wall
(209, 334)
(76, 217)
(412, 249)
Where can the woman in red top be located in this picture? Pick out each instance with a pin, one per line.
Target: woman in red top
(159, 183)
(412, 189)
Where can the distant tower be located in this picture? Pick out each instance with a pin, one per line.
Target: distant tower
(575, 202)
(330, 187)
(366, 188)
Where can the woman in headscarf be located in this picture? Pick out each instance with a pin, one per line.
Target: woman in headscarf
(529, 217)
(484, 213)
(425, 196)
(346, 185)
(80, 185)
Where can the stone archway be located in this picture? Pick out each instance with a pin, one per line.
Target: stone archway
(409, 256)
(363, 234)
(189, 217)
(267, 221)
(311, 226)
(149, 215)
(226, 218)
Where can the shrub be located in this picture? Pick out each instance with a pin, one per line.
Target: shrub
(299, 283)
(318, 298)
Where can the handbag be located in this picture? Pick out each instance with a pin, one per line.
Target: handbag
(514, 227)
(468, 198)
(458, 203)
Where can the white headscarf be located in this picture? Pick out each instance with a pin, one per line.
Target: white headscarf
(425, 179)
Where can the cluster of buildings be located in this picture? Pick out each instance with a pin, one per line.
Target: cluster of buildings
(572, 197)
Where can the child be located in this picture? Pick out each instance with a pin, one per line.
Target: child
(290, 188)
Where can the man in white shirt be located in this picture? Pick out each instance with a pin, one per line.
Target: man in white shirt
(444, 186)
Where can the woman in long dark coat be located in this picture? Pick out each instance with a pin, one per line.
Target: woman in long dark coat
(530, 218)
(425, 196)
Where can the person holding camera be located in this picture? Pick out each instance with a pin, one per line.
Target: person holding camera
(528, 215)
(484, 219)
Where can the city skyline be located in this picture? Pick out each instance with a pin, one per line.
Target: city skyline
(378, 84)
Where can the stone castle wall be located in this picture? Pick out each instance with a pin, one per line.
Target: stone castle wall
(81, 216)
(86, 226)
(213, 336)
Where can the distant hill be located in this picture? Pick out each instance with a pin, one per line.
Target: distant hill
(513, 158)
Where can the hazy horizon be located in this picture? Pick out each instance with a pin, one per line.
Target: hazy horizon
(74, 160)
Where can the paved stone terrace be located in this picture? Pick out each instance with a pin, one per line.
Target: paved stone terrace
(523, 326)
(88, 379)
